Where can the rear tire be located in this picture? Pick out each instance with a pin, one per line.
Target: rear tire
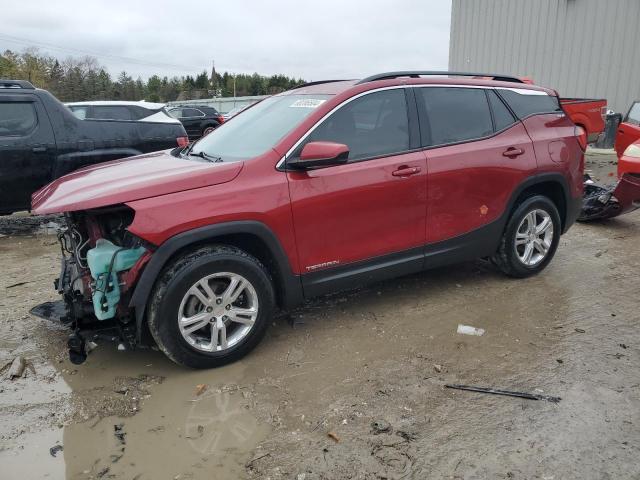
(530, 239)
(196, 292)
(208, 130)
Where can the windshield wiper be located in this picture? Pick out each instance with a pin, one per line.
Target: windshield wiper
(206, 156)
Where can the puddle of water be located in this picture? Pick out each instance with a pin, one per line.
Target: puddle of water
(177, 433)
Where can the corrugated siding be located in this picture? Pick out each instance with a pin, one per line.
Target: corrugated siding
(582, 48)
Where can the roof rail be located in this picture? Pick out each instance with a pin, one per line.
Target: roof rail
(319, 82)
(419, 73)
(16, 84)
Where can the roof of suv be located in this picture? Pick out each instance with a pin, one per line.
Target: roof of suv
(334, 87)
(142, 103)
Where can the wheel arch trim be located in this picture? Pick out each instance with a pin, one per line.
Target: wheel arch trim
(289, 282)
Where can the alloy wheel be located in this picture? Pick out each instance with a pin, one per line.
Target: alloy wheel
(534, 237)
(218, 311)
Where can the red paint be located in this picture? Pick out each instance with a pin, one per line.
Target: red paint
(344, 213)
(320, 150)
(129, 179)
(359, 210)
(627, 164)
(587, 113)
(464, 178)
(628, 133)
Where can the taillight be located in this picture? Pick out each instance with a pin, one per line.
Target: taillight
(182, 141)
(581, 135)
(603, 112)
(220, 119)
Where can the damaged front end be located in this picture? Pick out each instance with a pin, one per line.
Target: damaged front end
(101, 263)
(600, 202)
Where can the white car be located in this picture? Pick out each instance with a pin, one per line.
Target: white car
(121, 110)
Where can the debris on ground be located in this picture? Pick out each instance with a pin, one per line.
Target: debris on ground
(528, 396)
(17, 368)
(333, 437)
(55, 449)
(437, 368)
(19, 284)
(201, 388)
(580, 330)
(469, 330)
(600, 202)
(380, 426)
(119, 433)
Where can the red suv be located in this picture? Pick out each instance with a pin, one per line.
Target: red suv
(321, 188)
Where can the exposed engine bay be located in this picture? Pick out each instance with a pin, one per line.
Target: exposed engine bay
(101, 262)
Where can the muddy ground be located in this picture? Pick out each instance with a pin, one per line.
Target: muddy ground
(353, 387)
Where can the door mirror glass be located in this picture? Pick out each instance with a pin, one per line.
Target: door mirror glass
(320, 154)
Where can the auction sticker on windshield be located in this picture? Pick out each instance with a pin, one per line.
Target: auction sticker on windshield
(307, 103)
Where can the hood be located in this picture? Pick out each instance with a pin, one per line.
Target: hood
(129, 179)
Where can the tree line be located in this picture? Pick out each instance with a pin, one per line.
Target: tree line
(81, 79)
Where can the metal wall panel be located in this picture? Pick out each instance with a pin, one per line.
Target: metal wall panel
(582, 48)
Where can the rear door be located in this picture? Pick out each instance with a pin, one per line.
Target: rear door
(366, 219)
(192, 121)
(27, 148)
(629, 129)
(477, 154)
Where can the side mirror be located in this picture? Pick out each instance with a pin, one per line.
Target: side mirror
(320, 154)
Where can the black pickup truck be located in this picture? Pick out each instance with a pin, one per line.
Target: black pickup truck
(41, 140)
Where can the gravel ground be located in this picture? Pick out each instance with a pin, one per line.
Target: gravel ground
(353, 386)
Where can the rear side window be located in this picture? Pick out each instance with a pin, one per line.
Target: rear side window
(530, 102)
(502, 117)
(17, 118)
(191, 112)
(373, 125)
(111, 113)
(634, 114)
(80, 112)
(455, 114)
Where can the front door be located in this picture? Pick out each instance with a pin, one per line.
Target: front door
(27, 147)
(366, 217)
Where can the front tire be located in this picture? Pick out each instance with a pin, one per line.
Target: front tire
(211, 306)
(530, 239)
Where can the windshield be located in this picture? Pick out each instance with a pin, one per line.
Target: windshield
(259, 128)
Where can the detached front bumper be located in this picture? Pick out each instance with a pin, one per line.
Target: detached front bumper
(607, 202)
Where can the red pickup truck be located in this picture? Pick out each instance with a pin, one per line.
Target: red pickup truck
(586, 113)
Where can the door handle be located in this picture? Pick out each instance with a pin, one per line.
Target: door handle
(513, 152)
(39, 149)
(405, 171)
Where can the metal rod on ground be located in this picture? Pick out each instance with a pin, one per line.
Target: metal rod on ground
(493, 391)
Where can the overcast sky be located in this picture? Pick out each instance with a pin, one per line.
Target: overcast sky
(313, 40)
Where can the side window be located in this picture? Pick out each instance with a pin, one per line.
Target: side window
(634, 114)
(103, 112)
(455, 114)
(502, 117)
(372, 125)
(175, 112)
(80, 112)
(17, 118)
(192, 112)
(530, 102)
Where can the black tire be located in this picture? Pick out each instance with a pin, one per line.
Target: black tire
(506, 259)
(176, 279)
(208, 129)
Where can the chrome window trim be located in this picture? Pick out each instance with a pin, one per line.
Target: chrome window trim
(522, 91)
